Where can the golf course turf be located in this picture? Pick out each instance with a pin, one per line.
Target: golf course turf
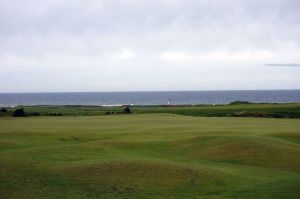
(155, 155)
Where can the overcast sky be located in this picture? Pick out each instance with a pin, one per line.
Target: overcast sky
(139, 45)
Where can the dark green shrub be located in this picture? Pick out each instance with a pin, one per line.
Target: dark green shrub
(19, 113)
(4, 110)
(34, 114)
(127, 110)
(239, 102)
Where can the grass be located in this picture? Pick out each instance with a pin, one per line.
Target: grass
(291, 110)
(149, 156)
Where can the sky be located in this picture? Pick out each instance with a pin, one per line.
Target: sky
(142, 45)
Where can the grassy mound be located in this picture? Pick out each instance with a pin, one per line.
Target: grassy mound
(254, 151)
(149, 156)
(147, 178)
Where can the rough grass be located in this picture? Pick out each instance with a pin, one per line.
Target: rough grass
(290, 110)
(149, 156)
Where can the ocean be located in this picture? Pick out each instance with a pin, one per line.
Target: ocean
(149, 98)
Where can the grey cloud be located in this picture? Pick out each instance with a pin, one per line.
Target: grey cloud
(39, 35)
(284, 65)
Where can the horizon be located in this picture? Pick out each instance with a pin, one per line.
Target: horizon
(148, 91)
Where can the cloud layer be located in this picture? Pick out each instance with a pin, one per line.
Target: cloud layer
(87, 45)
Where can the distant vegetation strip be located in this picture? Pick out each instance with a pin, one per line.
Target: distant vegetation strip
(234, 109)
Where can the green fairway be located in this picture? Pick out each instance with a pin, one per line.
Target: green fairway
(149, 156)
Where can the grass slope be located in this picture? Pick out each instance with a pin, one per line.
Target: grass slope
(149, 156)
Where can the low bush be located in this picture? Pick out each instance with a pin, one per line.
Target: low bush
(127, 110)
(4, 110)
(19, 113)
(239, 102)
